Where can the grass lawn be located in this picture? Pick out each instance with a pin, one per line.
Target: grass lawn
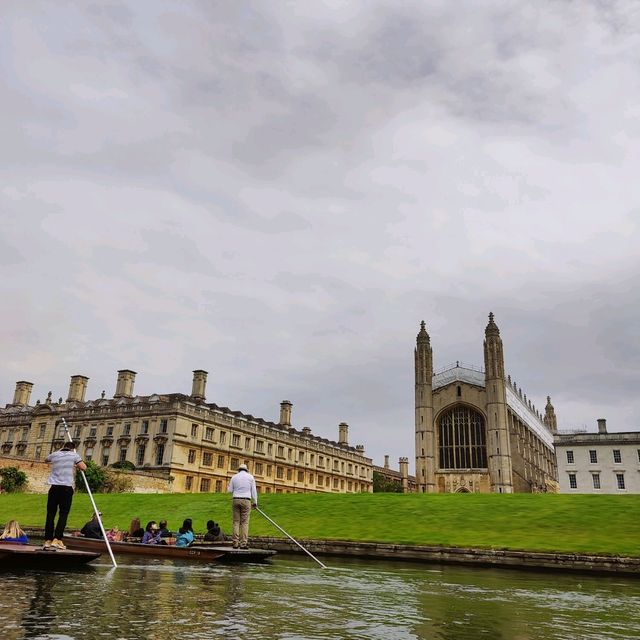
(543, 522)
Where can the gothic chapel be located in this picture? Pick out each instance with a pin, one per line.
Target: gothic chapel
(475, 430)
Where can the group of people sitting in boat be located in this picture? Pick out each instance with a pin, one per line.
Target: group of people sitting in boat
(153, 533)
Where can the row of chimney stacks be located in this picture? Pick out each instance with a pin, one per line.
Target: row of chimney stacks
(124, 387)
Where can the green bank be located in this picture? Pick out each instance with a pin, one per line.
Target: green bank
(571, 524)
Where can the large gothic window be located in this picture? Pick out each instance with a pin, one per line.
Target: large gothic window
(462, 442)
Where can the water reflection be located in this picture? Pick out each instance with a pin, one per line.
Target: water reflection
(292, 599)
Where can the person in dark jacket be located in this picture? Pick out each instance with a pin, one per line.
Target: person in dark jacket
(92, 528)
(214, 533)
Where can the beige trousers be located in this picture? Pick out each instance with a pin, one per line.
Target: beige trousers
(241, 512)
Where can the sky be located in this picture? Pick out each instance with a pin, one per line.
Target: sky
(279, 192)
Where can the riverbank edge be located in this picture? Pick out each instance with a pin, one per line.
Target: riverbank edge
(497, 558)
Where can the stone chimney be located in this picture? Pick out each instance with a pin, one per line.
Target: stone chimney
(386, 462)
(602, 425)
(360, 449)
(199, 385)
(343, 433)
(124, 384)
(306, 431)
(77, 389)
(23, 392)
(285, 413)
(404, 473)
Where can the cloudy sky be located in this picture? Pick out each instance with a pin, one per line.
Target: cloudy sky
(278, 193)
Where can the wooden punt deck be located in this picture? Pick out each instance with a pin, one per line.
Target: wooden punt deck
(29, 556)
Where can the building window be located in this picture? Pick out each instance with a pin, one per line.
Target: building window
(76, 432)
(462, 439)
(321, 462)
(105, 456)
(596, 480)
(569, 457)
(207, 459)
(208, 433)
(164, 423)
(221, 462)
(188, 483)
(126, 430)
(140, 455)
(234, 463)
(38, 453)
(269, 470)
(43, 428)
(205, 484)
(638, 455)
(459, 391)
(92, 432)
(573, 483)
(88, 453)
(194, 430)
(235, 440)
(289, 454)
(300, 476)
(258, 468)
(110, 430)
(218, 486)
(301, 457)
(335, 483)
(247, 444)
(123, 454)
(191, 457)
(269, 449)
(279, 473)
(620, 480)
(617, 457)
(593, 457)
(144, 428)
(320, 479)
(259, 446)
(280, 453)
(159, 454)
(223, 437)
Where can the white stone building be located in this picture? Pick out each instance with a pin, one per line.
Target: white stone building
(599, 462)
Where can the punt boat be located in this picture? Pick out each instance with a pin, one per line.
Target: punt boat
(202, 553)
(29, 556)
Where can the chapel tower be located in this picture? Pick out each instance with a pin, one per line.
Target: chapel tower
(425, 434)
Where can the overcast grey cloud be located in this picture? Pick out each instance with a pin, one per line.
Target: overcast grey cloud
(278, 193)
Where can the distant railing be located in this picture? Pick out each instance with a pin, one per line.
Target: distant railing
(462, 365)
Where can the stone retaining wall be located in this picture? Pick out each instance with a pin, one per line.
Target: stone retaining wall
(499, 558)
(38, 473)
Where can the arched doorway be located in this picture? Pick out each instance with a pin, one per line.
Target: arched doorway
(462, 490)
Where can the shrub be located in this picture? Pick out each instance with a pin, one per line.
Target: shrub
(96, 477)
(381, 484)
(124, 464)
(12, 479)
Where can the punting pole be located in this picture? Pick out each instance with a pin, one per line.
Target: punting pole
(95, 508)
(275, 524)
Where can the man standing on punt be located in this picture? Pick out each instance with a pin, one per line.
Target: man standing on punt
(243, 489)
(62, 480)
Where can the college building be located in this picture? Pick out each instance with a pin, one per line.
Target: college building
(599, 462)
(196, 445)
(475, 431)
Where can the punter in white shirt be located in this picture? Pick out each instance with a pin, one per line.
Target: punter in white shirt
(243, 489)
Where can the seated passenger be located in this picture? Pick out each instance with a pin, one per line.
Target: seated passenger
(163, 532)
(185, 534)
(135, 530)
(92, 528)
(114, 535)
(13, 533)
(214, 533)
(151, 533)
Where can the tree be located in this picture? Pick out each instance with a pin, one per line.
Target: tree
(382, 484)
(12, 479)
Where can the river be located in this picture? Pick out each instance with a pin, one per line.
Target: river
(291, 598)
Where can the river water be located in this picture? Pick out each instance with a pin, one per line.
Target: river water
(291, 598)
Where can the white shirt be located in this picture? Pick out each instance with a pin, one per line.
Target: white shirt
(63, 467)
(243, 485)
